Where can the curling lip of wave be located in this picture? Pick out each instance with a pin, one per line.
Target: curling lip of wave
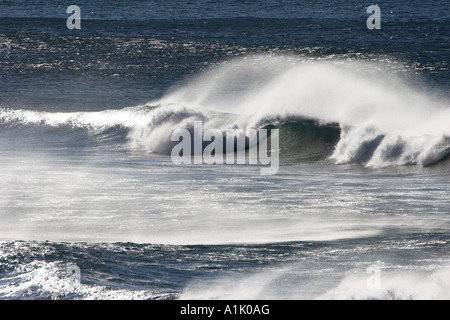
(383, 121)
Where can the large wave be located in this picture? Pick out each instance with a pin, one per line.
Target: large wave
(351, 112)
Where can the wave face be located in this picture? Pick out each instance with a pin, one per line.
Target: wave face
(347, 111)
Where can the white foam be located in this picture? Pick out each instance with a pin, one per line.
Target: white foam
(50, 280)
(397, 285)
(289, 283)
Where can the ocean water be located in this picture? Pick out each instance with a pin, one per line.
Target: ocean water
(93, 207)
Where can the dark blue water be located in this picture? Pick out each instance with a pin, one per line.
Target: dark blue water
(86, 179)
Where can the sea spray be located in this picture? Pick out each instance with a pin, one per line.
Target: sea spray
(383, 120)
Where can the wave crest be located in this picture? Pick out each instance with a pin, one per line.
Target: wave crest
(350, 112)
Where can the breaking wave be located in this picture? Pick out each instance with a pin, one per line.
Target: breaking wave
(349, 112)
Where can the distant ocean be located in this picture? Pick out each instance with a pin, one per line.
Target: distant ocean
(93, 207)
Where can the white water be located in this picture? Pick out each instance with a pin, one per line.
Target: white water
(289, 283)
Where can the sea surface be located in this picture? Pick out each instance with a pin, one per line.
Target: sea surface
(92, 205)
